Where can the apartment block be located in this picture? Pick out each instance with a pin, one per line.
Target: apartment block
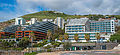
(60, 22)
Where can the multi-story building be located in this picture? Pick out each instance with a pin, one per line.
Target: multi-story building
(20, 21)
(39, 28)
(60, 22)
(20, 30)
(33, 21)
(8, 31)
(81, 27)
(50, 20)
(103, 26)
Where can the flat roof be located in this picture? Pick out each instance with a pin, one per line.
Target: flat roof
(80, 32)
(81, 21)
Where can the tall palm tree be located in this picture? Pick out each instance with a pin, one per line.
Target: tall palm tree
(53, 37)
(76, 37)
(97, 35)
(32, 37)
(12, 36)
(66, 36)
(60, 37)
(87, 37)
(49, 34)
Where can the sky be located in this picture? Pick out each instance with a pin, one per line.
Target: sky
(10, 9)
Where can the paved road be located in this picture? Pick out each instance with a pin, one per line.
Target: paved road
(92, 53)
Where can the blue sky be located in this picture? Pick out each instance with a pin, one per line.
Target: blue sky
(10, 9)
(6, 7)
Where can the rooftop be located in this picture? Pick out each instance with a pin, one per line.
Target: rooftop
(81, 21)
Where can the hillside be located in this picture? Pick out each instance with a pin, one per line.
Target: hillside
(52, 15)
(6, 23)
(49, 15)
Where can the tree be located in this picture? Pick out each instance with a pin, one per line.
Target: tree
(25, 38)
(87, 37)
(53, 37)
(115, 37)
(97, 35)
(49, 34)
(23, 43)
(12, 43)
(67, 45)
(12, 36)
(60, 37)
(76, 37)
(32, 36)
(66, 36)
(5, 44)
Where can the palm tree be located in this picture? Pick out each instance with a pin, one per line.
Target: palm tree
(49, 34)
(87, 37)
(97, 36)
(12, 36)
(60, 37)
(76, 37)
(32, 37)
(53, 37)
(66, 36)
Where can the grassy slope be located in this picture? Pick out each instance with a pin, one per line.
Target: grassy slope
(49, 14)
(52, 15)
(6, 23)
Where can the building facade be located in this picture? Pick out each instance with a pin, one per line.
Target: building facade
(33, 21)
(105, 26)
(50, 20)
(60, 22)
(39, 28)
(20, 21)
(80, 27)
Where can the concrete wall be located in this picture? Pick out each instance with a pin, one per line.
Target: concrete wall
(109, 46)
(97, 46)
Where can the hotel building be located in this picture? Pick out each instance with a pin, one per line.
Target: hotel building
(81, 27)
(39, 28)
(20, 30)
(103, 26)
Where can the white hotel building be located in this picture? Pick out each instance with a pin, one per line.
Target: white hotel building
(81, 27)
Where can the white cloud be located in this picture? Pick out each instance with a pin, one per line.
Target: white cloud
(80, 7)
(73, 6)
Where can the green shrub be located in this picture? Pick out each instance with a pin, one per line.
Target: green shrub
(33, 53)
(48, 50)
(47, 47)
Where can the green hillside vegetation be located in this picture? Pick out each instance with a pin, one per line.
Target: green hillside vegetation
(6, 23)
(52, 15)
(49, 15)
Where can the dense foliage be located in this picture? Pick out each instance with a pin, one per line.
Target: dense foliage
(67, 45)
(115, 37)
